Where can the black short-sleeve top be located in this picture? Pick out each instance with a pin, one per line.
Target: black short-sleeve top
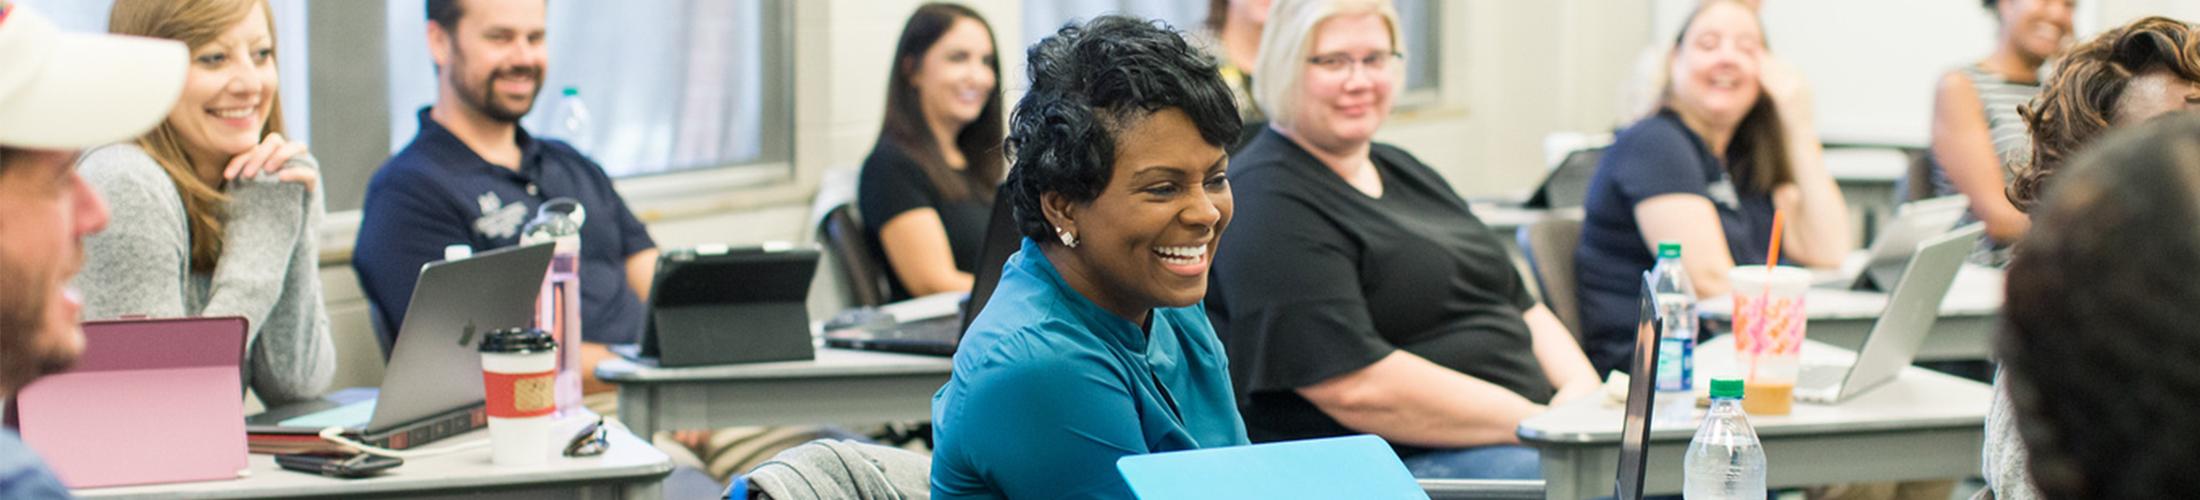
(892, 183)
(1656, 156)
(1314, 279)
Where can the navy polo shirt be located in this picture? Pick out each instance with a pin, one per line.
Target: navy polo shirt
(437, 192)
(1654, 157)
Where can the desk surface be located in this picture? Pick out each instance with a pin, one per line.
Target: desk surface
(841, 385)
(830, 363)
(1977, 291)
(1918, 398)
(1923, 425)
(1861, 165)
(629, 460)
(1506, 217)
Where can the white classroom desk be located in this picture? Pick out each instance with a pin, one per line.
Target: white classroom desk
(841, 385)
(1843, 318)
(630, 468)
(1922, 425)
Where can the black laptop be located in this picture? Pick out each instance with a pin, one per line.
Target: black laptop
(714, 305)
(1634, 434)
(938, 335)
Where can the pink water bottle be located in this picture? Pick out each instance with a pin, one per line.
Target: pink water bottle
(558, 309)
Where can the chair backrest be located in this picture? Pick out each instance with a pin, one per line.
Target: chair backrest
(842, 235)
(1549, 245)
(1567, 186)
(1917, 178)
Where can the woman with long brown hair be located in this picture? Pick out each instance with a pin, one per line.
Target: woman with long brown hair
(927, 187)
(216, 212)
(1710, 170)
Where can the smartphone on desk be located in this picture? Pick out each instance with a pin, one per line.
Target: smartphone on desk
(340, 465)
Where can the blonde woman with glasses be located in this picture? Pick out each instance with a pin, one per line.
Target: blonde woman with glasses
(1356, 293)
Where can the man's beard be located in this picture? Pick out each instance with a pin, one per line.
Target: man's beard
(26, 351)
(483, 98)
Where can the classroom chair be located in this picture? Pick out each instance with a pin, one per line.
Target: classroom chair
(1549, 246)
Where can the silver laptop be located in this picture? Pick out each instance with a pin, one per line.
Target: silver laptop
(433, 382)
(1913, 223)
(1911, 310)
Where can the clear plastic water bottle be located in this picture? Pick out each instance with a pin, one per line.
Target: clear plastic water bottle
(569, 121)
(1725, 461)
(558, 308)
(1676, 307)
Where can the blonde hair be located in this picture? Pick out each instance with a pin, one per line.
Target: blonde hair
(1288, 39)
(195, 23)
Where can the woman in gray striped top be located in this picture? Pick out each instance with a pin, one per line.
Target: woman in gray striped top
(1978, 139)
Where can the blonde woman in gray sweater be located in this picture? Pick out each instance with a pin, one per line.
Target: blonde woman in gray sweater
(215, 213)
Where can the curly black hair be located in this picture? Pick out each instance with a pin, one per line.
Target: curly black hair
(2098, 338)
(1089, 83)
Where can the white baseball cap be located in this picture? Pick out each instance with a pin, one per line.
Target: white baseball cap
(76, 90)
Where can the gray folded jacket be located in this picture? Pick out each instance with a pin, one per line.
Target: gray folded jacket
(837, 469)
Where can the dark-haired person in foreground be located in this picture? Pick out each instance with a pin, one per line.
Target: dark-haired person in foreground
(1357, 293)
(2098, 339)
(1095, 346)
(2119, 78)
(59, 92)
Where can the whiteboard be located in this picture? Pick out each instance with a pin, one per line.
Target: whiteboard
(1873, 63)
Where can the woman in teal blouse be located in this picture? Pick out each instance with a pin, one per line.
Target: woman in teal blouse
(1095, 345)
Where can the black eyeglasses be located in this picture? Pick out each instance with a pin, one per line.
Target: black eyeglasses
(591, 441)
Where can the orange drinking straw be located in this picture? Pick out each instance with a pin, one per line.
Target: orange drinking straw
(1772, 257)
(1764, 299)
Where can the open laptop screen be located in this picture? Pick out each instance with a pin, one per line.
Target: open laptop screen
(1634, 434)
(1001, 240)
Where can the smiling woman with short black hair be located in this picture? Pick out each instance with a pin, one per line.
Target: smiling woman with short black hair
(1095, 346)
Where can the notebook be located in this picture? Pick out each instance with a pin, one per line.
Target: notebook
(432, 388)
(150, 401)
(1634, 433)
(1361, 467)
(714, 305)
(923, 331)
(1912, 308)
(1913, 223)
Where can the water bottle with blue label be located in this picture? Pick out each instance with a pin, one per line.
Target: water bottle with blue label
(1676, 309)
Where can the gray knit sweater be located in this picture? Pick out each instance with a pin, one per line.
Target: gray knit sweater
(269, 272)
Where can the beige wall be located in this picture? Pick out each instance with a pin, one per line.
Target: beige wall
(1514, 72)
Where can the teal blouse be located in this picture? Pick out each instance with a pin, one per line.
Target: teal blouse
(1049, 390)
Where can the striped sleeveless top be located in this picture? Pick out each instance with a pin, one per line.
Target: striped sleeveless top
(2012, 141)
(2012, 145)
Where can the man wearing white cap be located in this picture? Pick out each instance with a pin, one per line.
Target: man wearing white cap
(59, 92)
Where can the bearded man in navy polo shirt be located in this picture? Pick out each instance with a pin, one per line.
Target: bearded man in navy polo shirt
(474, 177)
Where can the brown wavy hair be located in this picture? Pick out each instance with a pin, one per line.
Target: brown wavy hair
(195, 23)
(2080, 100)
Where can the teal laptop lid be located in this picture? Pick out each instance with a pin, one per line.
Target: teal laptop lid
(1360, 466)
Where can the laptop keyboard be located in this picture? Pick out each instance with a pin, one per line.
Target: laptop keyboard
(349, 415)
(1821, 376)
